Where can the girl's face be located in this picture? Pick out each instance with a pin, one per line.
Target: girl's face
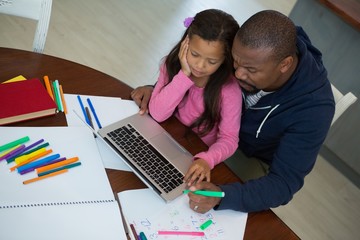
(204, 57)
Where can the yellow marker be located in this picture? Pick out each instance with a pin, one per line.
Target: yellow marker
(23, 158)
(31, 159)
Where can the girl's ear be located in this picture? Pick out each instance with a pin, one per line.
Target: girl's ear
(286, 64)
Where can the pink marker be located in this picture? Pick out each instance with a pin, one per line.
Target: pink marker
(200, 234)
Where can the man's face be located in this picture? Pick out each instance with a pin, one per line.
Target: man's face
(254, 69)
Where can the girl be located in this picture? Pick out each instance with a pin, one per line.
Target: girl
(196, 83)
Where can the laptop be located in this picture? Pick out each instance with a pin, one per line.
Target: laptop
(154, 156)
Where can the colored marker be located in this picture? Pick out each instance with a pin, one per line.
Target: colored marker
(142, 236)
(8, 150)
(206, 193)
(19, 158)
(83, 109)
(206, 224)
(14, 143)
(181, 233)
(45, 176)
(39, 162)
(136, 236)
(60, 168)
(13, 152)
(42, 165)
(56, 165)
(94, 113)
(63, 99)
(47, 85)
(15, 155)
(41, 154)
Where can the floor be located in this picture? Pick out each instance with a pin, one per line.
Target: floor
(127, 39)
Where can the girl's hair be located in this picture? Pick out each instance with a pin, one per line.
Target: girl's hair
(210, 25)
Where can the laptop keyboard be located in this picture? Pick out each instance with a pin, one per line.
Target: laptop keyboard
(147, 157)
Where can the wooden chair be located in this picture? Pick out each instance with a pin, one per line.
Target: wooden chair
(39, 10)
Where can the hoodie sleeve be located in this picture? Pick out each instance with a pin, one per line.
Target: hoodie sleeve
(293, 160)
(166, 97)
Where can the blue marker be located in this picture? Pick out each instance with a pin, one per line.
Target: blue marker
(94, 113)
(83, 110)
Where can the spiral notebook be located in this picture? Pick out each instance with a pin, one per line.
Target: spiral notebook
(78, 204)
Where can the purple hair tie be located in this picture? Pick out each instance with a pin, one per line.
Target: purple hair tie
(188, 21)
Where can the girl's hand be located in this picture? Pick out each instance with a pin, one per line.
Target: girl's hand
(182, 57)
(198, 171)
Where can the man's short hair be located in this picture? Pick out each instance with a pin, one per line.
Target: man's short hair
(269, 29)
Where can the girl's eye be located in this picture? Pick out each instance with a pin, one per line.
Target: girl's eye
(212, 62)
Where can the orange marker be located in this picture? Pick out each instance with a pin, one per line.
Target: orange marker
(56, 165)
(31, 159)
(45, 176)
(48, 88)
(63, 99)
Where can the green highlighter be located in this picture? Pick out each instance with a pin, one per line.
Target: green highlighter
(206, 193)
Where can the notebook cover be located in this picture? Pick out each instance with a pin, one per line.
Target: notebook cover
(24, 100)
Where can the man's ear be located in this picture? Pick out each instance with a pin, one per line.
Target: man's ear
(286, 64)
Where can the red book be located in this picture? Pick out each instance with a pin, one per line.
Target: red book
(24, 100)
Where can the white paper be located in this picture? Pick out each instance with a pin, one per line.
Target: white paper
(108, 110)
(78, 204)
(148, 213)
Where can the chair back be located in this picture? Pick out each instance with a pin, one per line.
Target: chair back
(39, 10)
(342, 102)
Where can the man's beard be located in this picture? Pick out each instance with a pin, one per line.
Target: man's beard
(252, 91)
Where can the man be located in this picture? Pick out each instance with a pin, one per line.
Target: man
(288, 110)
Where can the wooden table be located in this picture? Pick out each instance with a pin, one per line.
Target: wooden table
(79, 79)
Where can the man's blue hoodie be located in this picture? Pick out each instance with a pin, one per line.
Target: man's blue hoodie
(285, 129)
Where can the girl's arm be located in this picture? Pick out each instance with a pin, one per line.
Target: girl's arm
(165, 98)
(228, 129)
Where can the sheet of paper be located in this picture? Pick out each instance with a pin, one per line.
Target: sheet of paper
(177, 216)
(85, 182)
(108, 110)
(78, 204)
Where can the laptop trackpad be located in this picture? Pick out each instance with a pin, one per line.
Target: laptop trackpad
(169, 148)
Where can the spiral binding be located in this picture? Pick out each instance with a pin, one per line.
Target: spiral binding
(55, 204)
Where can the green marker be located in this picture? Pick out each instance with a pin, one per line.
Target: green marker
(206, 224)
(206, 193)
(14, 143)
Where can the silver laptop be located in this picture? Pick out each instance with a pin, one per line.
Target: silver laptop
(153, 155)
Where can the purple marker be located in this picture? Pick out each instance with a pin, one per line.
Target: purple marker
(24, 149)
(13, 152)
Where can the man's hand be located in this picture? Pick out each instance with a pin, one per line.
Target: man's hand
(202, 204)
(141, 96)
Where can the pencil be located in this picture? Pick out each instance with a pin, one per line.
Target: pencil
(89, 117)
(63, 99)
(55, 165)
(48, 88)
(45, 176)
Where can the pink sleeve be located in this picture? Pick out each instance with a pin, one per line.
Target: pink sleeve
(165, 98)
(228, 129)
